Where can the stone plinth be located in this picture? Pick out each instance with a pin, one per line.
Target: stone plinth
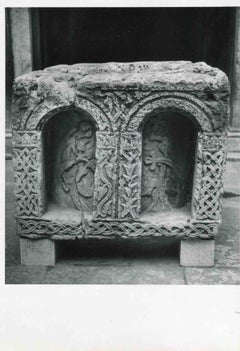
(39, 252)
(197, 253)
(120, 150)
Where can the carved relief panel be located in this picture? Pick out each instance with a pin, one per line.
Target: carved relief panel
(29, 185)
(168, 162)
(129, 203)
(122, 163)
(70, 160)
(106, 175)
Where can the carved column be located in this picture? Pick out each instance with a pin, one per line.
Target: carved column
(235, 116)
(234, 128)
(208, 182)
(21, 40)
(129, 201)
(29, 183)
(106, 175)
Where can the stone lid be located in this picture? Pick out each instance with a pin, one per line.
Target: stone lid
(165, 75)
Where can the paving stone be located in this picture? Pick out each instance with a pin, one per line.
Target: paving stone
(136, 273)
(24, 274)
(227, 256)
(227, 252)
(212, 276)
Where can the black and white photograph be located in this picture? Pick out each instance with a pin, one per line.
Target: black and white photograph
(122, 163)
(121, 125)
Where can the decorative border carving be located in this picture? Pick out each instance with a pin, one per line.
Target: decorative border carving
(116, 104)
(118, 111)
(212, 141)
(28, 174)
(129, 202)
(123, 109)
(209, 172)
(170, 101)
(29, 227)
(37, 118)
(29, 139)
(34, 228)
(106, 175)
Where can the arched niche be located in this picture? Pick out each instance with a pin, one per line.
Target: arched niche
(168, 159)
(69, 157)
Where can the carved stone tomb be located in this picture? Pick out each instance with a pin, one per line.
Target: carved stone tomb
(127, 150)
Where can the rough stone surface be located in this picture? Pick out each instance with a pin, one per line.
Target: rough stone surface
(137, 272)
(213, 276)
(197, 253)
(24, 274)
(120, 87)
(120, 150)
(37, 252)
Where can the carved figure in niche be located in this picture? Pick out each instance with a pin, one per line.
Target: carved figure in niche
(75, 166)
(161, 181)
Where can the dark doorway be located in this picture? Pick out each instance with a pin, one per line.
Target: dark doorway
(75, 35)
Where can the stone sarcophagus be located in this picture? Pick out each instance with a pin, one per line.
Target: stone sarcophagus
(124, 150)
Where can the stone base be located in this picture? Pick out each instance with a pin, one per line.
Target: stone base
(197, 253)
(39, 252)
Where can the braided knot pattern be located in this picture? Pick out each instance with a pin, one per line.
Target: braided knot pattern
(113, 229)
(208, 187)
(26, 181)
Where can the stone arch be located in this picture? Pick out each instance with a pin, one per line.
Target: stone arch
(46, 110)
(182, 103)
(69, 157)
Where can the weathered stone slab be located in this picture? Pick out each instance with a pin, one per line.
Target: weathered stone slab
(197, 253)
(112, 146)
(37, 252)
(115, 90)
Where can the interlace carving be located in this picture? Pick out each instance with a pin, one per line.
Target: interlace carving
(208, 189)
(113, 229)
(106, 175)
(117, 103)
(28, 177)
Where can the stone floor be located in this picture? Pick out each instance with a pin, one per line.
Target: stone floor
(130, 261)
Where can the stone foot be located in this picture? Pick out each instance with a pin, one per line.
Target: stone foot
(197, 253)
(40, 252)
